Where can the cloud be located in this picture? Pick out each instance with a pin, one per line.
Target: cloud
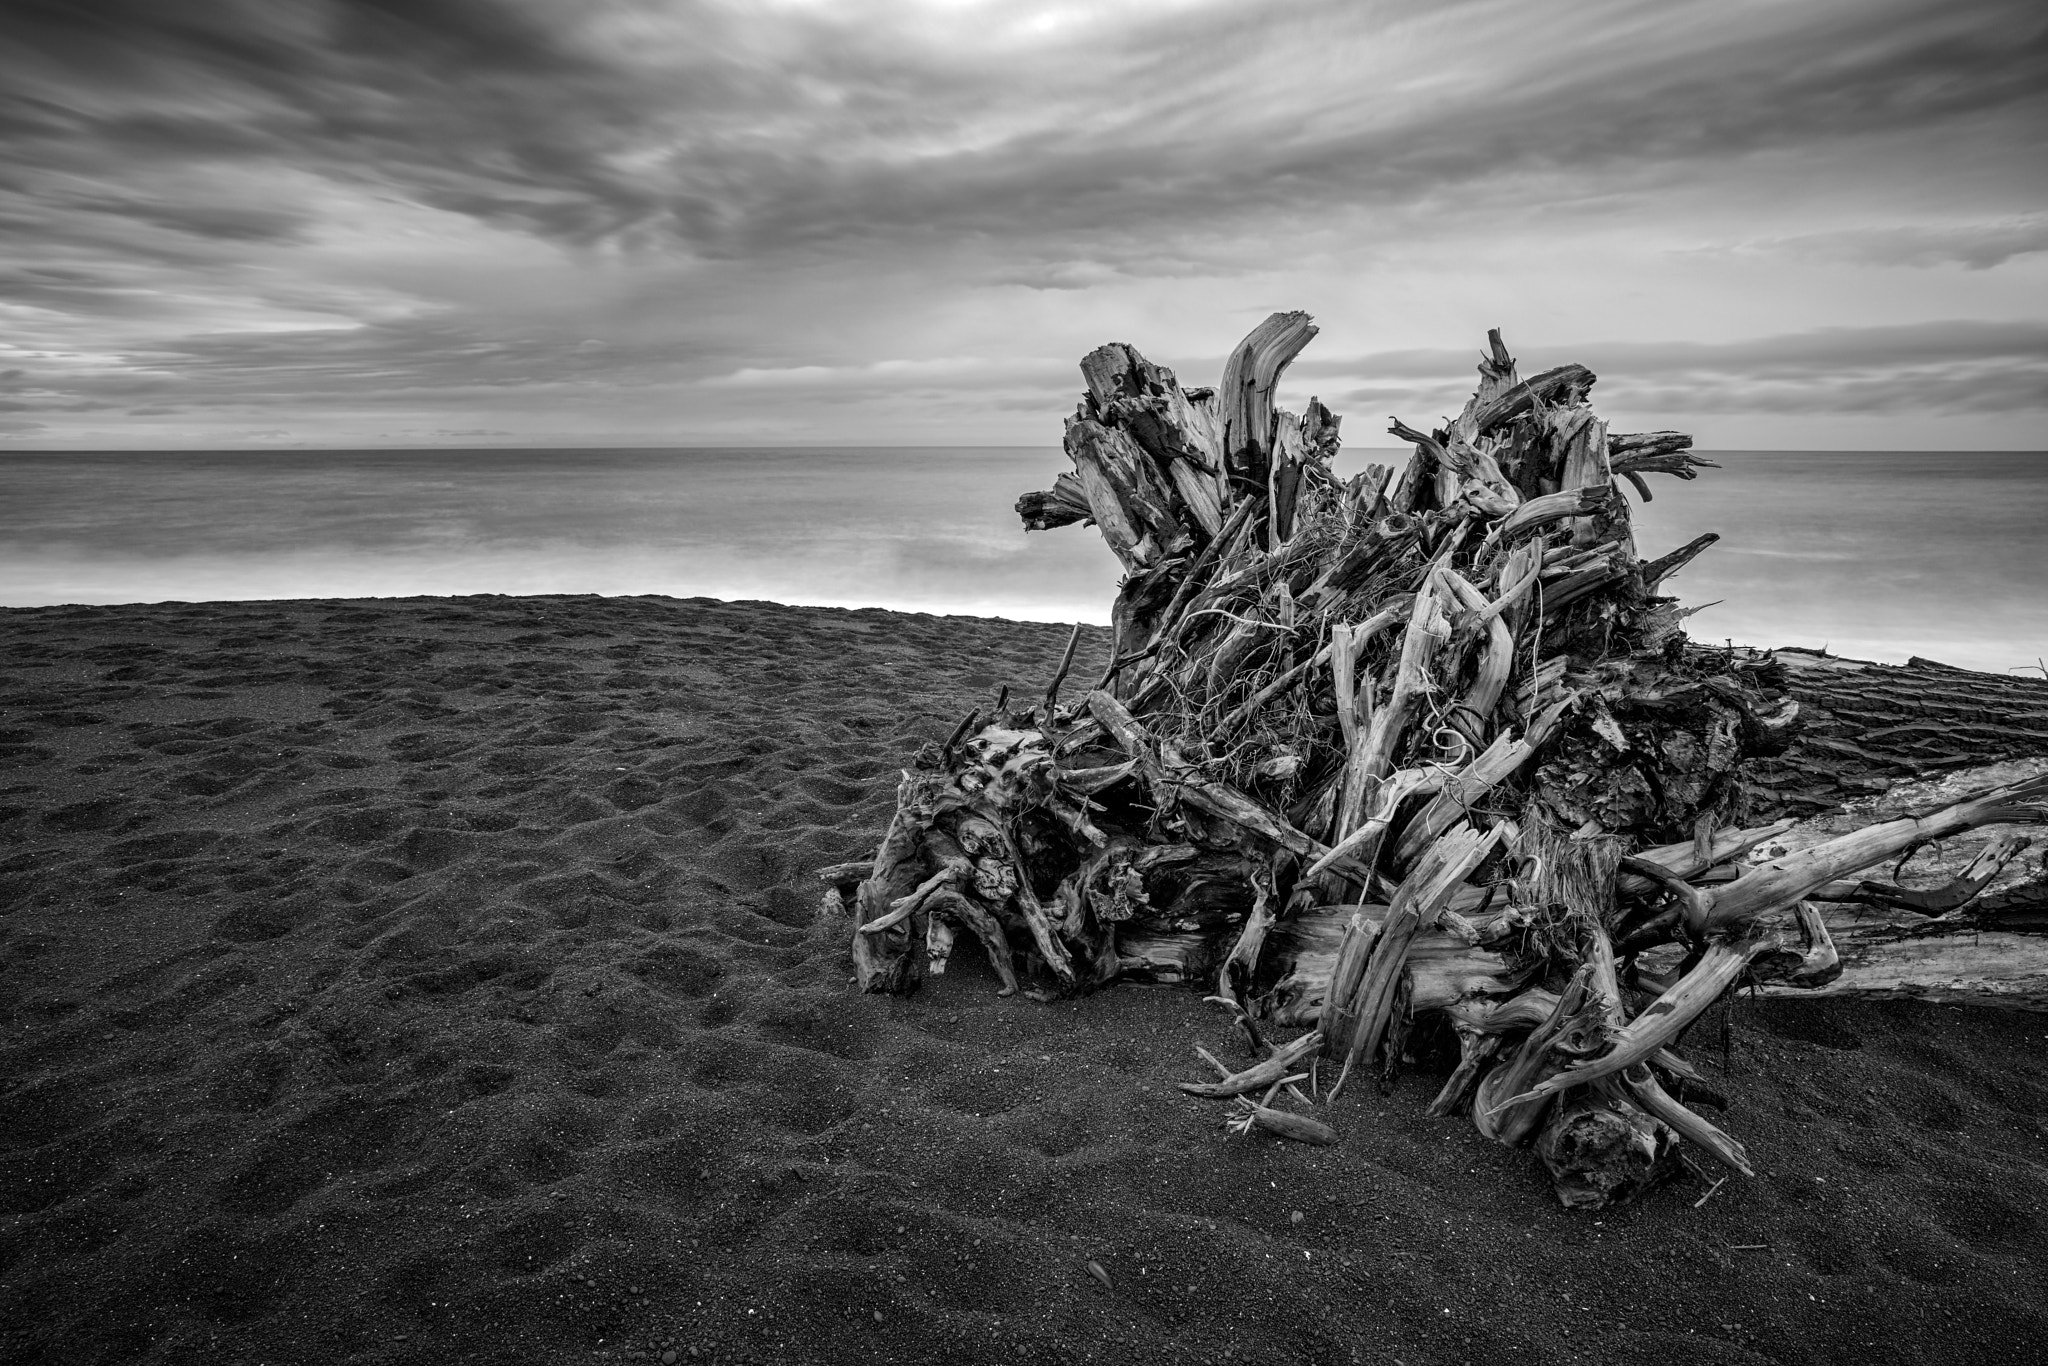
(947, 370)
(1835, 349)
(731, 130)
(447, 208)
(377, 366)
(1945, 367)
(1974, 246)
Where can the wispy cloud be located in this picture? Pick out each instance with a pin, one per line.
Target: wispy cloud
(1973, 246)
(1941, 368)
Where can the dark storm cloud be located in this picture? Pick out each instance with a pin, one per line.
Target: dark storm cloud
(476, 104)
(733, 133)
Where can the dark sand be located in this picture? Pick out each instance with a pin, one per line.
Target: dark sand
(442, 980)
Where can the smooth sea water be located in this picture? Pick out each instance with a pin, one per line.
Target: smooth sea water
(1876, 555)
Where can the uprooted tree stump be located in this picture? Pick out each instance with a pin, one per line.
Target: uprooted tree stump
(1416, 750)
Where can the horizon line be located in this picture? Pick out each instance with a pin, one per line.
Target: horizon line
(888, 446)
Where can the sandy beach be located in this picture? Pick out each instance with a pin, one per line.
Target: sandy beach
(422, 980)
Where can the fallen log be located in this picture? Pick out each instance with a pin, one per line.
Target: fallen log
(1424, 747)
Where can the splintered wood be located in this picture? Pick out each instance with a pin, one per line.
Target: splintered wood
(1419, 757)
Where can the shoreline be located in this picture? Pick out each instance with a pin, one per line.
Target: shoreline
(1818, 653)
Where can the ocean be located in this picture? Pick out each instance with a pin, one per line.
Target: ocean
(1874, 555)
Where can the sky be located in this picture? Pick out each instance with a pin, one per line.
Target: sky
(1776, 225)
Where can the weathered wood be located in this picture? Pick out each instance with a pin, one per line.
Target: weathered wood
(1370, 759)
(1663, 1020)
(1959, 891)
(1693, 1128)
(1246, 394)
(1374, 753)
(1475, 1050)
(1169, 774)
(1664, 566)
(1882, 954)
(1461, 790)
(847, 874)
(1284, 1124)
(1551, 507)
(1782, 881)
(1065, 503)
(1601, 1149)
(1052, 689)
(1417, 904)
(1270, 1071)
(1549, 387)
(1506, 1108)
(1474, 712)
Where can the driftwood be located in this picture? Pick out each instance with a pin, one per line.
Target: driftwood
(1420, 749)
